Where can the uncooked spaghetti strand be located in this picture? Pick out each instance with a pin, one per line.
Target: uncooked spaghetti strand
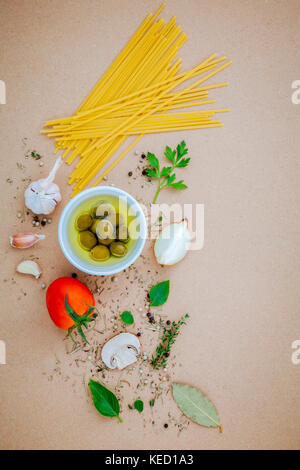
(130, 120)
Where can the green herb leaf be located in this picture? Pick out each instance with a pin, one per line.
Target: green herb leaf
(127, 318)
(179, 185)
(139, 405)
(183, 163)
(168, 338)
(152, 172)
(170, 154)
(181, 150)
(165, 171)
(151, 402)
(104, 400)
(195, 405)
(159, 293)
(153, 160)
(166, 177)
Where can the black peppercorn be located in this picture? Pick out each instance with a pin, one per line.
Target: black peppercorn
(151, 319)
(143, 155)
(74, 275)
(149, 314)
(167, 354)
(94, 315)
(130, 173)
(144, 172)
(166, 425)
(43, 223)
(139, 334)
(168, 322)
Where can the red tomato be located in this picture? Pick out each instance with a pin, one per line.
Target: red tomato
(78, 296)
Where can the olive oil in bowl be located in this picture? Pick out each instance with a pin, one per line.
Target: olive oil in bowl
(84, 239)
(103, 242)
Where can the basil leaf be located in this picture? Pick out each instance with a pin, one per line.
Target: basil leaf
(127, 318)
(139, 405)
(159, 293)
(104, 400)
(151, 402)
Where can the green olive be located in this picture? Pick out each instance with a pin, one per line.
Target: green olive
(106, 242)
(105, 209)
(83, 222)
(100, 253)
(118, 249)
(122, 233)
(87, 240)
(105, 229)
(94, 210)
(94, 225)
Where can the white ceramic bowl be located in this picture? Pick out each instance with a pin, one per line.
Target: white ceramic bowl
(90, 266)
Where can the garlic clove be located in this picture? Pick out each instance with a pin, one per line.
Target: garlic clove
(29, 267)
(172, 243)
(24, 240)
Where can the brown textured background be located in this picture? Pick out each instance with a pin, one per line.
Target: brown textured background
(242, 289)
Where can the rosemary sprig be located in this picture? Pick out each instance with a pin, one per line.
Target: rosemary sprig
(166, 176)
(168, 338)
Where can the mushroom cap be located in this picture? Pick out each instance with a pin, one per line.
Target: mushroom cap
(121, 351)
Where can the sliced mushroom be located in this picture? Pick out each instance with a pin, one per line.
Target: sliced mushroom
(121, 351)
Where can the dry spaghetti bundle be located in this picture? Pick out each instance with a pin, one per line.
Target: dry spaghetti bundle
(139, 94)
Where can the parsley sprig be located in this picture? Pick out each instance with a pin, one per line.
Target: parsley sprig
(168, 338)
(166, 176)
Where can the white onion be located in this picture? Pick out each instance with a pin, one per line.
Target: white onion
(172, 243)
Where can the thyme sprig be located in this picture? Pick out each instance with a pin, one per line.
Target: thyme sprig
(168, 338)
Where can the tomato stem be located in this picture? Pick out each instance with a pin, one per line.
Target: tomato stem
(78, 320)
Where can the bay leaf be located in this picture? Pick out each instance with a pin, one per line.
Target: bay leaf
(196, 406)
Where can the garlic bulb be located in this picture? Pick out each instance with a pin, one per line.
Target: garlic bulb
(172, 243)
(29, 267)
(42, 196)
(25, 240)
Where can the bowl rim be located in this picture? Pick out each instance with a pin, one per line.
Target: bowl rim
(86, 194)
